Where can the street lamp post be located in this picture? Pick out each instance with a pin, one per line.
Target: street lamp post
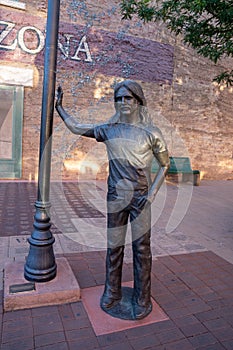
(40, 264)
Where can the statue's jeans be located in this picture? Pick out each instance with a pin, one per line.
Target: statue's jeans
(120, 210)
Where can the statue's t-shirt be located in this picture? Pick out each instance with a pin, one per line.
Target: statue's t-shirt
(130, 149)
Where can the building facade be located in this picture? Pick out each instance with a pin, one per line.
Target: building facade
(96, 50)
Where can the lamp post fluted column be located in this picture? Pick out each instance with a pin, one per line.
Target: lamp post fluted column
(40, 264)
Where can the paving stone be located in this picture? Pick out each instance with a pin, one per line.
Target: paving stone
(78, 310)
(84, 333)
(145, 342)
(216, 324)
(208, 315)
(223, 334)
(215, 304)
(57, 346)
(17, 335)
(216, 346)
(179, 345)
(65, 311)
(72, 324)
(211, 296)
(49, 339)
(180, 312)
(145, 330)
(46, 318)
(18, 314)
(203, 340)
(186, 321)
(44, 310)
(89, 344)
(170, 336)
(22, 344)
(112, 338)
(193, 329)
(122, 345)
(229, 319)
(44, 328)
(15, 325)
(228, 344)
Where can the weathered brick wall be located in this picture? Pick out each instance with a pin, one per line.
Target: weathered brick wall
(193, 113)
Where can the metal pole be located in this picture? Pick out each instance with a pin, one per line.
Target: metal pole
(40, 264)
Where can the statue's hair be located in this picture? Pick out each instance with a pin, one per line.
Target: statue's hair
(137, 92)
(134, 88)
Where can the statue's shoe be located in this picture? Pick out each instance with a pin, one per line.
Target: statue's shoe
(108, 301)
(141, 311)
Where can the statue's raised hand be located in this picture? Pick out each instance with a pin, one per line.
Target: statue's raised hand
(59, 96)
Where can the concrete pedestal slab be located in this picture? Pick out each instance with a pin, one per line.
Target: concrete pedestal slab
(103, 323)
(64, 288)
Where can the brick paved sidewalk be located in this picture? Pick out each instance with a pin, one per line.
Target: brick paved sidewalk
(193, 287)
(195, 291)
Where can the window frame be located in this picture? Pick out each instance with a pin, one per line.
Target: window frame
(12, 168)
(14, 3)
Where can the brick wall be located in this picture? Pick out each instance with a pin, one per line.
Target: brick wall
(192, 112)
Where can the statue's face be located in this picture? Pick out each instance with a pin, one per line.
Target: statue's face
(125, 102)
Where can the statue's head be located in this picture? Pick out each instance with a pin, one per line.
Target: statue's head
(134, 88)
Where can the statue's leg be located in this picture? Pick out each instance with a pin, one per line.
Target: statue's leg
(117, 227)
(112, 291)
(142, 261)
(142, 276)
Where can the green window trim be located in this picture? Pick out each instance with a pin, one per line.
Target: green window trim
(12, 168)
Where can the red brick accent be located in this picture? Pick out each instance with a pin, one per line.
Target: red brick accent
(112, 53)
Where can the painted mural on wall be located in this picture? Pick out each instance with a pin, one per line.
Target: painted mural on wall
(22, 38)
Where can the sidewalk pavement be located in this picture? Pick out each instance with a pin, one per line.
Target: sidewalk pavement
(192, 246)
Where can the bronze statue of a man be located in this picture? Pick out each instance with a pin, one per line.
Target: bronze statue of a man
(132, 142)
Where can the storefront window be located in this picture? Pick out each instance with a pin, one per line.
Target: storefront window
(11, 115)
(13, 3)
(6, 116)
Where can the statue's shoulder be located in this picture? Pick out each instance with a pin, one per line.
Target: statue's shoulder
(154, 131)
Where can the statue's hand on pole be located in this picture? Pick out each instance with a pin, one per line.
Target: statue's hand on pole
(59, 97)
(58, 105)
(71, 123)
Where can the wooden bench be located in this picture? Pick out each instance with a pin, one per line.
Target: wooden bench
(180, 166)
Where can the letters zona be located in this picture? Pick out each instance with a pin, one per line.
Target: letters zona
(19, 41)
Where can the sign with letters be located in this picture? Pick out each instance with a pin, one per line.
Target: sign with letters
(19, 40)
(22, 39)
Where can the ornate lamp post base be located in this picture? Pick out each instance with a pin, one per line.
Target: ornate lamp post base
(40, 265)
(32, 271)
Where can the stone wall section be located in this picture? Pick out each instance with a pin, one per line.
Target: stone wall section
(194, 114)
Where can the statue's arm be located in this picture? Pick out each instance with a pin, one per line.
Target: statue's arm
(164, 164)
(71, 123)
